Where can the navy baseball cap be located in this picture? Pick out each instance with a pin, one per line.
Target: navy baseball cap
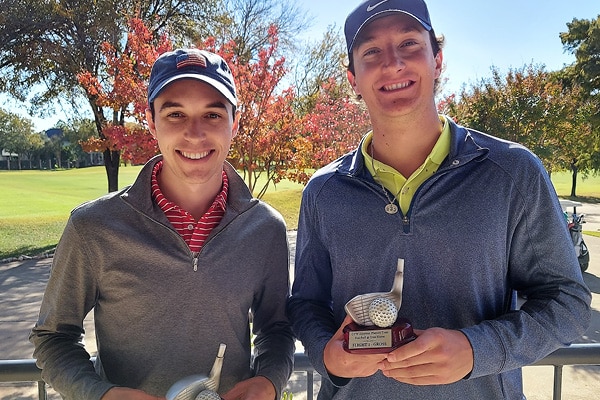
(373, 9)
(195, 64)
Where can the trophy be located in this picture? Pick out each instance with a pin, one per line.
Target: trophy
(199, 387)
(376, 327)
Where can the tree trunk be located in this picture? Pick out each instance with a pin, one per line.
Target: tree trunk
(573, 179)
(112, 159)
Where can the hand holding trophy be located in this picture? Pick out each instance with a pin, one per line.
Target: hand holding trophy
(376, 327)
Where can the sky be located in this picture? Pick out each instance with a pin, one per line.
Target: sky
(507, 34)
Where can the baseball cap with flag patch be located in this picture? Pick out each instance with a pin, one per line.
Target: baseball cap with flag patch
(370, 10)
(192, 64)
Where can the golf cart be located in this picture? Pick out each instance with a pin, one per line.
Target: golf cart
(574, 224)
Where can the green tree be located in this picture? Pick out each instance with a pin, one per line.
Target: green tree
(76, 131)
(14, 135)
(46, 155)
(531, 107)
(583, 40)
(36, 144)
(524, 106)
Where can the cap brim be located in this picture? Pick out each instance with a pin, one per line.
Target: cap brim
(212, 82)
(381, 15)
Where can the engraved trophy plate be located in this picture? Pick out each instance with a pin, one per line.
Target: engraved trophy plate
(372, 339)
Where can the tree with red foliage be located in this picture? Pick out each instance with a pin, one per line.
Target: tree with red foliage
(124, 93)
(333, 127)
(263, 147)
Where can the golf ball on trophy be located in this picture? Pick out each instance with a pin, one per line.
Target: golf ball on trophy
(383, 312)
(208, 395)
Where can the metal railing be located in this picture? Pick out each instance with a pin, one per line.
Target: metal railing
(17, 371)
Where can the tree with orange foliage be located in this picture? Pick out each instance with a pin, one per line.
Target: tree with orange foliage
(273, 141)
(333, 127)
(263, 147)
(124, 94)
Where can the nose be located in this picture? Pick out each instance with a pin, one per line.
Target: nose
(393, 59)
(196, 129)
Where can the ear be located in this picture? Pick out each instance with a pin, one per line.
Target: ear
(352, 80)
(439, 63)
(151, 124)
(236, 123)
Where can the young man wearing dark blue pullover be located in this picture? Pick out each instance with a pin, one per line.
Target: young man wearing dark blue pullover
(474, 218)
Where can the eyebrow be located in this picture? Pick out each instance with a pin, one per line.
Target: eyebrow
(365, 39)
(173, 104)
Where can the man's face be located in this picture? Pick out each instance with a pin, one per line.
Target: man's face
(194, 125)
(394, 66)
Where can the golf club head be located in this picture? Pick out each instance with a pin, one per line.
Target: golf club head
(358, 306)
(187, 388)
(208, 395)
(191, 386)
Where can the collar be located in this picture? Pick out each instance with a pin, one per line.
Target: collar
(440, 151)
(167, 205)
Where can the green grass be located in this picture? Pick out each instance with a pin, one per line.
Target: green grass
(285, 198)
(588, 188)
(36, 204)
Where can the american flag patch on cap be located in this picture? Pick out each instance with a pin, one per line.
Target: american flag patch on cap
(191, 60)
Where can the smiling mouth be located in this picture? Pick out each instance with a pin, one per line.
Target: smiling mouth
(396, 86)
(195, 156)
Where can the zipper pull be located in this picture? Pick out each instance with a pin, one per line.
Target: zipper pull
(196, 261)
(406, 224)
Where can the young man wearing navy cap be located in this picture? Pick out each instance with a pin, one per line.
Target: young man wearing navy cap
(474, 219)
(173, 264)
